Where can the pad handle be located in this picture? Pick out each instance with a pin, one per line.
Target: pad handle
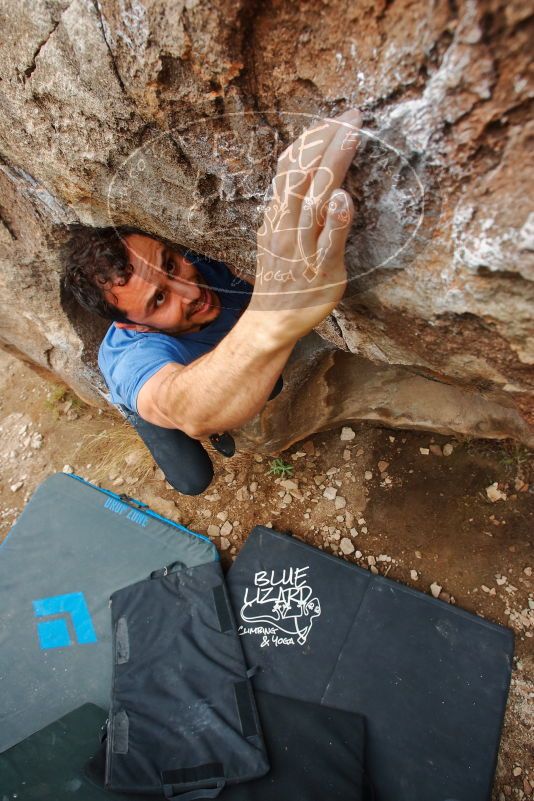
(190, 795)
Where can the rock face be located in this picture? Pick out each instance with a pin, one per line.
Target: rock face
(170, 115)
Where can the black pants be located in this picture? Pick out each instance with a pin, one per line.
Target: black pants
(184, 460)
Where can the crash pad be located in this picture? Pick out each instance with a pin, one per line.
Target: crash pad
(430, 679)
(72, 546)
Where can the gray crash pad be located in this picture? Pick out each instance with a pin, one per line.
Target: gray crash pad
(72, 547)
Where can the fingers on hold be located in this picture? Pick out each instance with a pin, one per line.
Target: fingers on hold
(334, 235)
(341, 207)
(313, 211)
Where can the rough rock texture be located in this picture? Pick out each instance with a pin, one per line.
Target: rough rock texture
(331, 387)
(169, 115)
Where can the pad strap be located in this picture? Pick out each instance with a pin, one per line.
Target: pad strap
(201, 773)
(245, 708)
(174, 567)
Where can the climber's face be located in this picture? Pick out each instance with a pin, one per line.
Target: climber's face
(165, 292)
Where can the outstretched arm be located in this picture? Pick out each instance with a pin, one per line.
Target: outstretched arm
(300, 278)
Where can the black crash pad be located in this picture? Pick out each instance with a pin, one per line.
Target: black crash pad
(50, 765)
(430, 679)
(316, 753)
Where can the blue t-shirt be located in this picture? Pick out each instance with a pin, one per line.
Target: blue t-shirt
(127, 358)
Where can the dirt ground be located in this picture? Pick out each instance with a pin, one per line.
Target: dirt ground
(423, 518)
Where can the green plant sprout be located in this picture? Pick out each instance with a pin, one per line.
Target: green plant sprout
(280, 468)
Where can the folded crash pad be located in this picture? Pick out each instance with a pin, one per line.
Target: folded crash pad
(315, 753)
(73, 545)
(430, 679)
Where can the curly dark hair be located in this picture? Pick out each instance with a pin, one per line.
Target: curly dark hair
(95, 259)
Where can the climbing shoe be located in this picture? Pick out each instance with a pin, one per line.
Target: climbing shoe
(224, 443)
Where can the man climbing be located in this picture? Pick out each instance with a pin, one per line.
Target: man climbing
(193, 350)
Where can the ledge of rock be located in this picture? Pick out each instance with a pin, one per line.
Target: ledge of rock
(170, 116)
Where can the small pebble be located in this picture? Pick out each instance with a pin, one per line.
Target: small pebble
(368, 475)
(346, 546)
(435, 589)
(414, 575)
(288, 484)
(330, 493)
(447, 449)
(347, 434)
(242, 494)
(424, 451)
(494, 493)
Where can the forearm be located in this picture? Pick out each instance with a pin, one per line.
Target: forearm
(229, 385)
